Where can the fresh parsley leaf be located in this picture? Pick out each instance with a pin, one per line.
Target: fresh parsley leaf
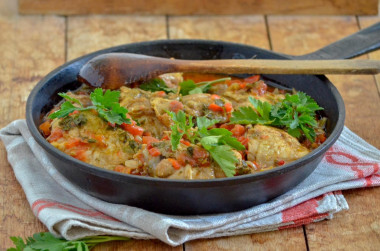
(66, 109)
(182, 125)
(155, 85)
(225, 157)
(106, 104)
(296, 113)
(190, 87)
(48, 242)
(213, 140)
(186, 87)
(204, 123)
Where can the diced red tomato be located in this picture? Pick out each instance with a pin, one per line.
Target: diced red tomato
(244, 141)
(161, 93)
(185, 142)
(55, 135)
(280, 162)
(154, 152)
(215, 96)
(200, 153)
(243, 85)
(122, 169)
(74, 112)
(135, 130)
(227, 126)
(166, 137)
(80, 154)
(228, 107)
(238, 130)
(184, 159)
(215, 108)
(252, 79)
(111, 124)
(76, 142)
(175, 106)
(45, 128)
(321, 138)
(149, 140)
(100, 140)
(175, 163)
(146, 133)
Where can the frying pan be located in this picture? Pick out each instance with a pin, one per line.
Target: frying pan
(185, 197)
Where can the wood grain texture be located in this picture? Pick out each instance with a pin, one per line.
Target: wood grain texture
(357, 228)
(249, 30)
(243, 29)
(24, 61)
(90, 33)
(365, 22)
(183, 7)
(276, 240)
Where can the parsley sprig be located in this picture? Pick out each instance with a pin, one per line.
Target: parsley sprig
(296, 113)
(46, 241)
(217, 141)
(106, 104)
(155, 85)
(190, 87)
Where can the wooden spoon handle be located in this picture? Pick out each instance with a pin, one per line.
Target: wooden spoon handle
(268, 66)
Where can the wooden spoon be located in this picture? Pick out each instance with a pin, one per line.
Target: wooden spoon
(113, 70)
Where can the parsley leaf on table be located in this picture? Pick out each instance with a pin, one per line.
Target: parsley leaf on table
(47, 242)
(155, 85)
(106, 104)
(296, 113)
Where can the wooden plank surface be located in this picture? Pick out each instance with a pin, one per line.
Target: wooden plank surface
(27, 54)
(366, 22)
(184, 7)
(91, 33)
(248, 30)
(357, 228)
(31, 46)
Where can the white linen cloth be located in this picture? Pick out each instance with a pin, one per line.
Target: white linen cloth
(69, 212)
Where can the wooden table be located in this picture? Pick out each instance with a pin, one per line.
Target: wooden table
(33, 45)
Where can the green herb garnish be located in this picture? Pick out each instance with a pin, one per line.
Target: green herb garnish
(48, 242)
(296, 113)
(155, 85)
(106, 104)
(217, 141)
(190, 87)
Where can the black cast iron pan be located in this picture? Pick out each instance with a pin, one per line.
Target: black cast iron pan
(184, 197)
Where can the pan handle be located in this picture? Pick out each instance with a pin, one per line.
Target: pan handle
(361, 42)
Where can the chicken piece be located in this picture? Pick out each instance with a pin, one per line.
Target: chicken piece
(197, 105)
(160, 107)
(269, 146)
(139, 106)
(137, 101)
(239, 98)
(172, 79)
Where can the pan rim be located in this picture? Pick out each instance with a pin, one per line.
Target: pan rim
(120, 177)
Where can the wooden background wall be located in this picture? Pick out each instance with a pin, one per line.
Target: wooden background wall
(199, 7)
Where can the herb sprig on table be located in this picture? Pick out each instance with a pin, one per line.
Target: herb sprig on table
(296, 113)
(106, 104)
(47, 242)
(217, 141)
